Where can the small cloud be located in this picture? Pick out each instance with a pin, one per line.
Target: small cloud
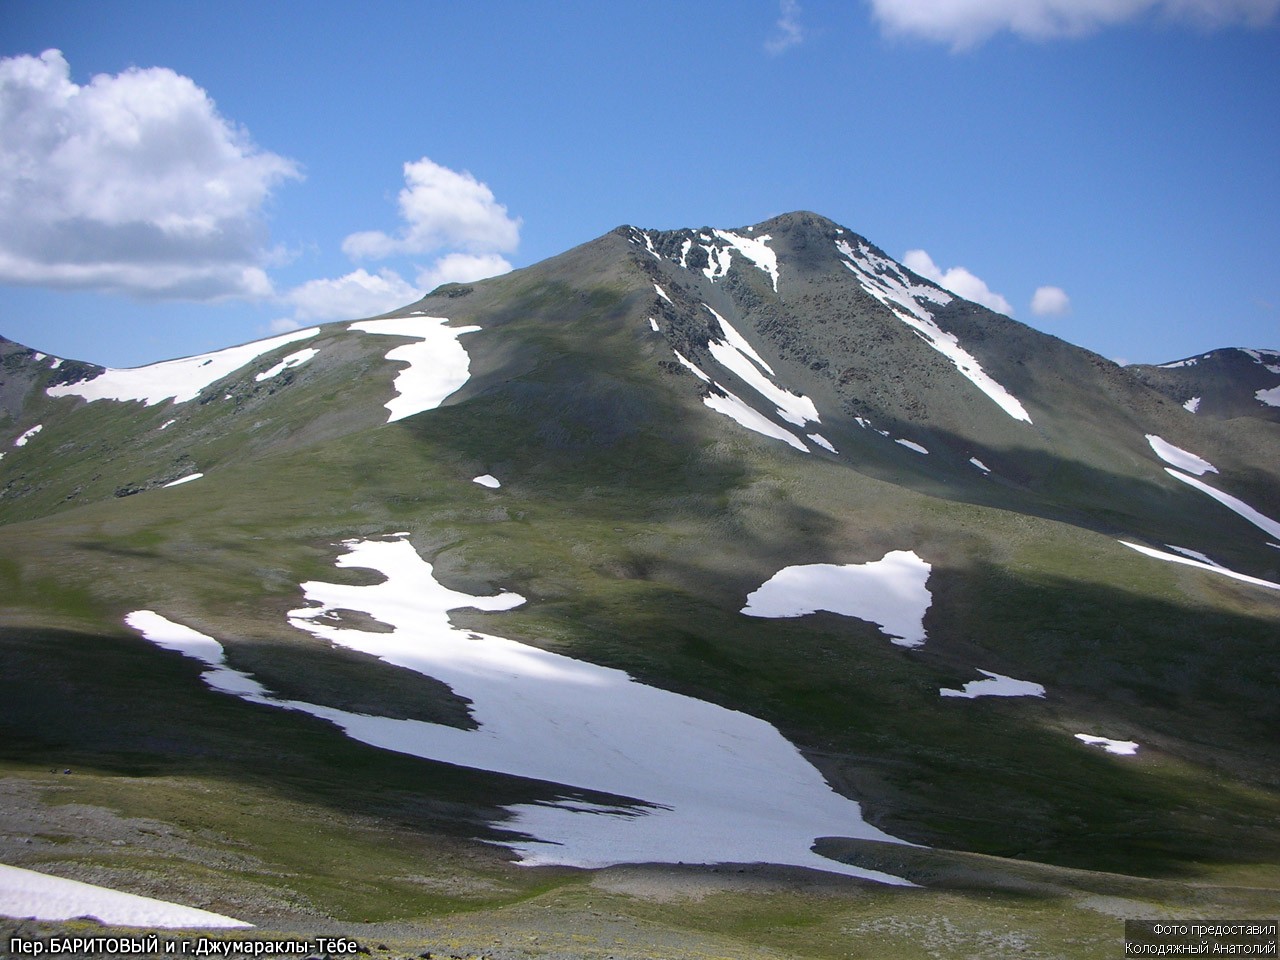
(462, 268)
(440, 208)
(958, 280)
(789, 32)
(964, 24)
(283, 325)
(131, 183)
(357, 294)
(1050, 302)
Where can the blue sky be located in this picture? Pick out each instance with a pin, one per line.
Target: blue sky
(238, 168)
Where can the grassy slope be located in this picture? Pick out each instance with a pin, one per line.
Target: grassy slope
(637, 523)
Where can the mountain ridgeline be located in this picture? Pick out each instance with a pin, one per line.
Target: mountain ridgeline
(1005, 596)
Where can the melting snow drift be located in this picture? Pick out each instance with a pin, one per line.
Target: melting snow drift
(25, 894)
(1184, 459)
(1124, 748)
(889, 592)
(437, 364)
(996, 685)
(708, 784)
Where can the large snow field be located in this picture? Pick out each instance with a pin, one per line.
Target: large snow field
(884, 280)
(437, 364)
(179, 380)
(26, 894)
(890, 592)
(696, 782)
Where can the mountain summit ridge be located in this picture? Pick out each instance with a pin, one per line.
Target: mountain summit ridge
(767, 470)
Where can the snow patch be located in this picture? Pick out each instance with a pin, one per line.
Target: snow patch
(1124, 748)
(1201, 565)
(438, 364)
(890, 592)
(487, 480)
(912, 445)
(57, 362)
(979, 464)
(26, 437)
(1270, 397)
(1188, 461)
(187, 479)
(653, 324)
(177, 380)
(822, 441)
(1192, 405)
(663, 294)
(747, 416)
(755, 249)
(167, 424)
(1239, 507)
(996, 685)
(26, 894)
(292, 360)
(736, 355)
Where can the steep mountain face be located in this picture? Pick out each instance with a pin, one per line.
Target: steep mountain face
(683, 546)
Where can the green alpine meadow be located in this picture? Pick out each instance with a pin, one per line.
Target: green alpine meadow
(705, 593)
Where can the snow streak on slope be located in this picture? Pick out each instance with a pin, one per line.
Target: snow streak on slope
(737, 355)
(1239, 507)
(179, 380)
(709, 784)
(26, 894)
(722, 401)
(1211, 567)
(437, 364)
(1184, 459)
(884, 280)
(890, 592)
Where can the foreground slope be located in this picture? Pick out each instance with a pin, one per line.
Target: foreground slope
(711, 458)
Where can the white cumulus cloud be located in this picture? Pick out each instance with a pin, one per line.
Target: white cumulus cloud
(966, 23)
(1050, 302)
(440, 208)
(133, 183)
(788, 31)
(358, 294)
(462, 268)
(958, 280)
